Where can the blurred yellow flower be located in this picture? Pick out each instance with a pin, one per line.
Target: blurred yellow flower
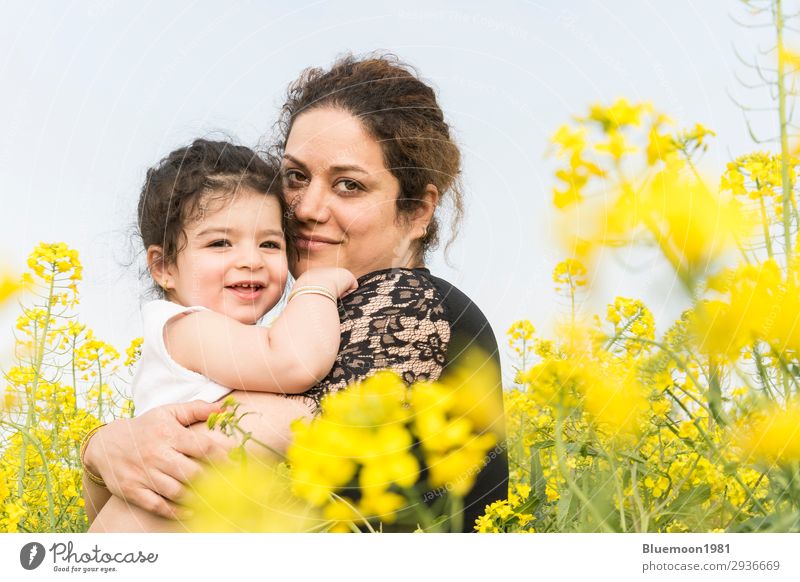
(771, 434)
(9, 285)
(253, 496)
(616, 400)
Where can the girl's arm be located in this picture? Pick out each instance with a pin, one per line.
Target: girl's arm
(290, 357)
(94, 498)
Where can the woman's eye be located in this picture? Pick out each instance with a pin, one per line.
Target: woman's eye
(271, 245)
(347, 186)
(220, 243)
(293, 179)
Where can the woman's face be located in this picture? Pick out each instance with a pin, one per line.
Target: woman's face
(343, 197)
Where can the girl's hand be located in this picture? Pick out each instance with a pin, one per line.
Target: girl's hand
(339, 281)
(147, 460)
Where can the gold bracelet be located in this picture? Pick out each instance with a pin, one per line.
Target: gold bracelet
(312, 290)
(84, 443)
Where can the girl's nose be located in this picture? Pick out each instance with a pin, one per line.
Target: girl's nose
(249, 258)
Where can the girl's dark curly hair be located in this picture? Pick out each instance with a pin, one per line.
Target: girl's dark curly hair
(188, 181)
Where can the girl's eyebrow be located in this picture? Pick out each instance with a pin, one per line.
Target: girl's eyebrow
(225, 230)
(333, 169)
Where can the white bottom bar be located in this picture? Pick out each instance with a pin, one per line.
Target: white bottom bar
(329, 557)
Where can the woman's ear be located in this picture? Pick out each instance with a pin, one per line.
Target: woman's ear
(424, 214)
(158, 268)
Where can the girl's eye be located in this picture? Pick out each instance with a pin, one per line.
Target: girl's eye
(347, 186)
(293, 179)
(220, 243)
(271, 245)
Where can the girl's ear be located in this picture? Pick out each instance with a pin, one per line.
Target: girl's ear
(158, 268)
(424, 214)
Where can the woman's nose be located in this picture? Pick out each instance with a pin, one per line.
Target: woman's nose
(310, 205)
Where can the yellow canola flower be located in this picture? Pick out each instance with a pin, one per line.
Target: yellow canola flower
(631, 317)
(9, 285)
(253, 496)
(690, 224)
(620, 114)
(772, 434)
(4, 490)
(133, 352)
(660, 146)
(789, 58)
(616, 146)
(520, 330)
(732, 180)
(568, 140)
(457, 469)
(473, 385)
(376, 401)
(361, 429)
(657, 486)
(321, 459)
(615, 400)
(758, 303)
(574, 178)
(383, 505)
(51, 259)
(569, 275)
(14, 512)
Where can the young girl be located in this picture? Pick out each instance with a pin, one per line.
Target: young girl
(213, 225)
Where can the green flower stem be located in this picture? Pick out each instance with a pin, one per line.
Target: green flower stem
(787, 375)
(674, 357)
(456, 513)
(714, 449)
(762, 372)
(562, 467)
(30, 419)
(644, 516)
(355, 510)
(48, 480)
(785, 152)
(420, 509)
(765, 224)
(741, 506)
(100, 389)
(620, 490)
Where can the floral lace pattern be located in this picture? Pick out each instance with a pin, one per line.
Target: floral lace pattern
(395, 320)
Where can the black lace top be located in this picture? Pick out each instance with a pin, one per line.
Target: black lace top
(395, 320)
(418, 325)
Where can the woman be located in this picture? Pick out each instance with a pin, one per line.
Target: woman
(367, 159)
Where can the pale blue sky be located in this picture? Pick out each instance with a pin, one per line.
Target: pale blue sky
(96, 91)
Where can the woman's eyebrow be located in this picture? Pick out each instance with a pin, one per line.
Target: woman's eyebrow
(295, 161)
(347, 168)
(332, 169)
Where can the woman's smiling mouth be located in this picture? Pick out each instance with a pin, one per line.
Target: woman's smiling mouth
(313, 243)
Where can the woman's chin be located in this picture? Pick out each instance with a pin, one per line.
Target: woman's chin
(303, 264)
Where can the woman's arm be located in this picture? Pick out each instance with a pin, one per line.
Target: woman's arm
(290, 357)
(146, 461)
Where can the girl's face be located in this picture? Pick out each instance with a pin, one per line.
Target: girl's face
(234, 261)
(343, 197)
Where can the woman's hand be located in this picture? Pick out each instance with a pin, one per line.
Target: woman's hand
(147, 460)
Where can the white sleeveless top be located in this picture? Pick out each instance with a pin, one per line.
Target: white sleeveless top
(159, 379)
